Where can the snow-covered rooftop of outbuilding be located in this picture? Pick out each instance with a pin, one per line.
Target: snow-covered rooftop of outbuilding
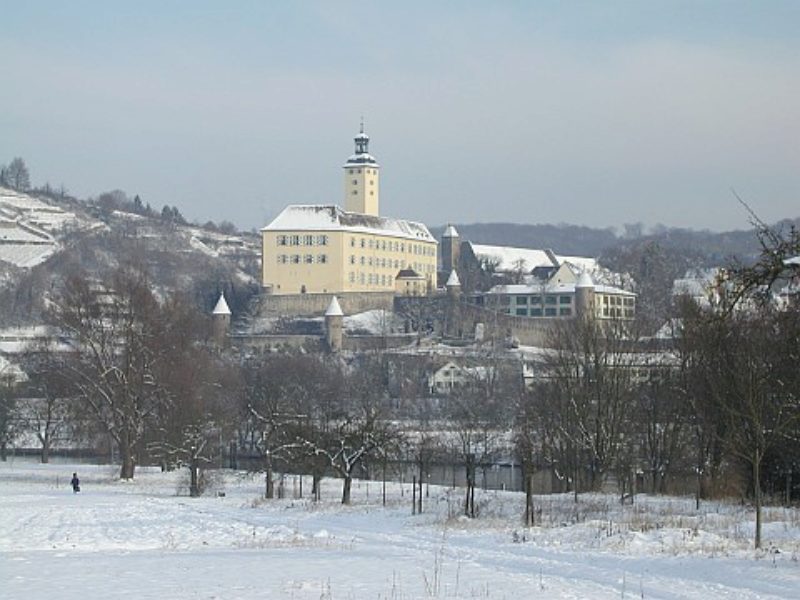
(554, 288)
(318, 217)
(509, 258)
(794, 261)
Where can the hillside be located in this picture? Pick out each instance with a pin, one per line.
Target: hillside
(44, 237)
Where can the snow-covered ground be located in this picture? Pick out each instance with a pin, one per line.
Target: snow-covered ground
(146, 539)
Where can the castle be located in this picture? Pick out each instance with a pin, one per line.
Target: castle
(326, 250)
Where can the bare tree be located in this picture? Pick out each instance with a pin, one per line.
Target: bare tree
(113, 363)
(16, 175)
(47, 413)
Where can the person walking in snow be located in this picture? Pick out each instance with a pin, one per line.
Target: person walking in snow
(76, 483)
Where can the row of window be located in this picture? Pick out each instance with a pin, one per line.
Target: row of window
(383, 263)
(563, 311)
(392, 246)
(369, 278)
(539, 300)
(618, 312)
(617, 301)
(296, 259)
(303, 240)
(367, 171)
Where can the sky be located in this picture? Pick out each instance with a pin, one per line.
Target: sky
(589, 113)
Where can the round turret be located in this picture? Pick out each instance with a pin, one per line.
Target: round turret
(584, 295)
(334, 325)
(221, 321)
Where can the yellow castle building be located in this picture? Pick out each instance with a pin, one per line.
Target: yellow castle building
(326, 249)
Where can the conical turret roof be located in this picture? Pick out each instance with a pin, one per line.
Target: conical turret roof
(584, 281)
(453, 280)
(222, 307)
(334, 310)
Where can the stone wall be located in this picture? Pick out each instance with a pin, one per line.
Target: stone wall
(307, 305)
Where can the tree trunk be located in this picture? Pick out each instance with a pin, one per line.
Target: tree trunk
(128, 461)
(528, 497)
(45, 455)
(269, 492)
(194, 487)
(346, 489)
(757, 489)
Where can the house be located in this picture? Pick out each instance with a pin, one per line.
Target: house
(553, 299)
(451, 376)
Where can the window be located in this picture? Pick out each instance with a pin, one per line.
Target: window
(281, 259)
(535, 300)
(363, 260)
(383, 245)
(322, 259)
(369, 261)
(549, 300)
(549, 312)
(294, 240)
(352, 277)
(520, 300)
(505, 299)
(308, 240)
(371, 244)
(565, 311)
(351, 171)
(361, 278)
(628, 301)
(522, 312)
(402, 247)
(309, 259)
(371, 182)
(281, 240)
(355, 181)
(322, 240)
(363, 243)
(352, 242)
(355, 192)
(352, 259)
(295, 259)
(536, 312)
(564, 299)
(383, 279)
(605, 299)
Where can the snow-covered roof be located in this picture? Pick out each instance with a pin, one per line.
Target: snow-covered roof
(453, 280)
(509, 258)
(318, 217)
(334, 310)
(222, 307)
(792, 262)
(450, 232)
(554, 288)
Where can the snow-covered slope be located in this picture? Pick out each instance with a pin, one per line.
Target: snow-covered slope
(140, 539)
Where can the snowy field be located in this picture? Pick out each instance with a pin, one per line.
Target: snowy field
(146, 539)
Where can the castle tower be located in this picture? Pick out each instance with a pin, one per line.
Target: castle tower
(334, 325)
(451, 249)
(584, 296)
(221, 321)
(361, 178)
